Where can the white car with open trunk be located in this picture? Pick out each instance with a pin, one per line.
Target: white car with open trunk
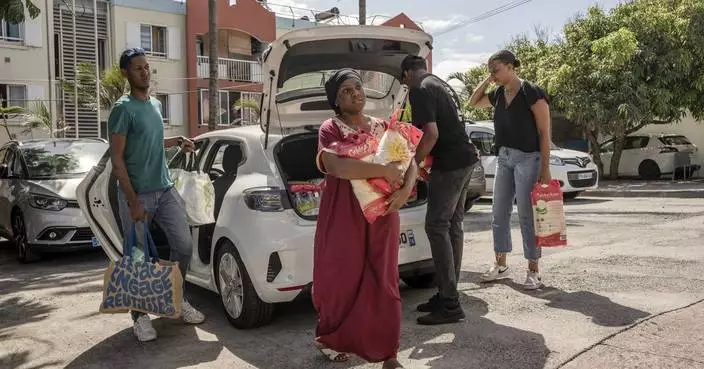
(260, 250)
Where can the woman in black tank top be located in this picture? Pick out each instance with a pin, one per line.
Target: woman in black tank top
(522, 127)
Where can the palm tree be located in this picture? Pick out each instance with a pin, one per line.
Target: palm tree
(470, 80)
(10, 112)
(112, 86)
(39, 117)
(12, 11)
(248, 104)
(213, 95)
(362, 12)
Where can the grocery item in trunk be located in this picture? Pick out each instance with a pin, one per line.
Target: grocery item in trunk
(306, 197)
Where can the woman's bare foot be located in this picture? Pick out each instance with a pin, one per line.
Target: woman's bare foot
(392, 364)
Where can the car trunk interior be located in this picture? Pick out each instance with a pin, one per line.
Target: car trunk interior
(295, 157)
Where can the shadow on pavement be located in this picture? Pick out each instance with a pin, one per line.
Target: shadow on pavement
(58, 270)
(601, 309)
(477, 342)
(288, 341)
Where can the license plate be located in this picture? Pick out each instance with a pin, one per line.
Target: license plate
(407, 239)
(584, 175)
(94, 242)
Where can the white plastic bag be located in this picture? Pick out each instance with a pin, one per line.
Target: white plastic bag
(198, 193)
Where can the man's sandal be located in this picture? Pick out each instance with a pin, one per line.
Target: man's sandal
(332, 355)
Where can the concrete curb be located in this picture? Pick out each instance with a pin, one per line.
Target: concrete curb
(681, 194)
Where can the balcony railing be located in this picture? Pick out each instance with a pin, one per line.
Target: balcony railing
(231, 69)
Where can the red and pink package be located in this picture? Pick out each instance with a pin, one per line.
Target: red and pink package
(549, 215)
(397, 144)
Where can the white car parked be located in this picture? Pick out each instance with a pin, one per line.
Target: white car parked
(260, 251)
(652, 156)
(575, 170)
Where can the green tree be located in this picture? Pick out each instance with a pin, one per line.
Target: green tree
(10, 112)
(38, 117)
(626, 69)
(13, 11)
(112, 86)
(470, 80)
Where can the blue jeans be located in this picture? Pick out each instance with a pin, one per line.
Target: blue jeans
(516, 174)
(167, 209)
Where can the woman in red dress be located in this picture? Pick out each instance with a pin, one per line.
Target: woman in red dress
(355, 277)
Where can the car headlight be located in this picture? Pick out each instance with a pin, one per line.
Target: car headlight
(47, 202)
(555, 160)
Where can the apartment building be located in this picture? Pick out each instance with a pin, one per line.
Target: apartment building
(245, 28)
(26, 66)
(38, 54)
(73, 43)
(157, 26)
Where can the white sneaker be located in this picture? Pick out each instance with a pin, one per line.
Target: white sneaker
(495, 273)
(533, 281)
(143, 329)
(190, 315)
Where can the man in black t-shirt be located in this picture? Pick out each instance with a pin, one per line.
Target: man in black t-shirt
(434, 110)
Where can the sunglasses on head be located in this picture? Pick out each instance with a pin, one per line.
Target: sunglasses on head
(135, 51)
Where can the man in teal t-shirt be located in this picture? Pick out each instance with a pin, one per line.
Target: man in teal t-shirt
(146, 193)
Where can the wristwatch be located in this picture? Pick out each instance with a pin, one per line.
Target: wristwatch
(179, 141)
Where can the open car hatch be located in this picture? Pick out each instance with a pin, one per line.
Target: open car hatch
(296, 65)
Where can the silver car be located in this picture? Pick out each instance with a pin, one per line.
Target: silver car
(38, 207)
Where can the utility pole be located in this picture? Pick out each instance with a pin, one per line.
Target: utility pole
(213, 38)
(362, 12)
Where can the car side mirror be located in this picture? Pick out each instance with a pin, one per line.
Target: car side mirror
(3, 171)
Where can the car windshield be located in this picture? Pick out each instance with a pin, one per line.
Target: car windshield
(675, 140)
(376, 84)
(61, 158)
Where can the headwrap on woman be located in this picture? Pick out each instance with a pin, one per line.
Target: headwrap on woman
(335, 81)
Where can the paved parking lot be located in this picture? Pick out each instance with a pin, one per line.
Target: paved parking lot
(628, 260)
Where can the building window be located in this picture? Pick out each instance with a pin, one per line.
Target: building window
(10, 32)
(153, 39)
(230, 113)
(13, 95)
(164, 100)
(200, 46)
(101, 54)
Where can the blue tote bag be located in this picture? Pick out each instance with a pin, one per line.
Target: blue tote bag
(147, 285)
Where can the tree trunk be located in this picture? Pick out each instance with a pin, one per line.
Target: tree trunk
(362, 12)
(616, 158)
(594, 148)
(213, 96)
(7, 129)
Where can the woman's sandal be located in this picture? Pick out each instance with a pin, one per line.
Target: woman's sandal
(332, 355)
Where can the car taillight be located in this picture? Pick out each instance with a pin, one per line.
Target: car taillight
(266, 199)
(668, 149)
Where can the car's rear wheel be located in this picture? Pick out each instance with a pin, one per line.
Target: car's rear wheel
(649, 169)
(19, 232)
(243, 307)
(420, 281)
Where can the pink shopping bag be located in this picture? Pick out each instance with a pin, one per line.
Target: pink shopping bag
(549, 215)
